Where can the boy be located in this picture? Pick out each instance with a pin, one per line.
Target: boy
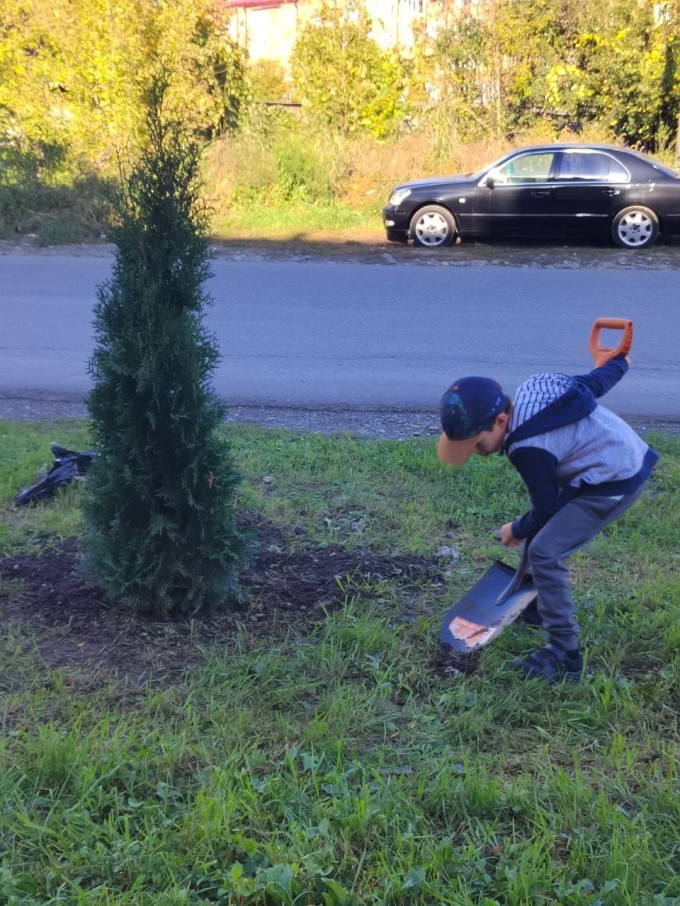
(582, 465)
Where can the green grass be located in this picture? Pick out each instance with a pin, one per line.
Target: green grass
(334, 767)
(24, 453)
(292, 220)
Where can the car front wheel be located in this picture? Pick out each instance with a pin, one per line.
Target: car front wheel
(433, 227)
(635, 227)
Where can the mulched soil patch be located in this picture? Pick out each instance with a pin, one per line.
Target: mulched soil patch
(448, 663)
(76, 629)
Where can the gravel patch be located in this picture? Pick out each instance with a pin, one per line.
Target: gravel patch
(389, 424)
(665, 255)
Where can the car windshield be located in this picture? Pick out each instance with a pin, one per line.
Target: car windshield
(526, 168)
(494, 165)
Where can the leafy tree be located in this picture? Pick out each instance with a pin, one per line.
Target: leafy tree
(160, 509)
(268, 88)
(488, 72)
(525, 37)
(621, 69)
(448, 80)
(610, 62)
(72, 74)
(345, 80)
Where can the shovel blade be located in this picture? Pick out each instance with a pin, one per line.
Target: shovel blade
(484, 611)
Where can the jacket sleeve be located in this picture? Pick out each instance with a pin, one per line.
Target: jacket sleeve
(602, 379)
(538, 470)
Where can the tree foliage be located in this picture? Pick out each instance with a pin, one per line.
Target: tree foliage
(564, 62)
(72, 74)
(447, 83)
(344, 79)
(620, 68)
(160, 509)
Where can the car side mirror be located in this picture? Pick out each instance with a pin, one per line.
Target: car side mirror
(489, 182)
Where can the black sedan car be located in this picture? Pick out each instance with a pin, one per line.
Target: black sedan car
(558, 191)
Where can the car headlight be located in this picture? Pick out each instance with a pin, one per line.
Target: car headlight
(398, 196)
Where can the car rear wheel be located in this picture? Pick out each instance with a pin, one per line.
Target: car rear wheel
(635, 227)
(433, 227)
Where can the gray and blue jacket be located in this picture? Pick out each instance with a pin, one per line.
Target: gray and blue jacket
(564, 444)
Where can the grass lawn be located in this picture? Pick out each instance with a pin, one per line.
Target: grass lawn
(322, 758)
(299, 222)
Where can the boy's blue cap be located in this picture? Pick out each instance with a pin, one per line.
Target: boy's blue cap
(469, 406)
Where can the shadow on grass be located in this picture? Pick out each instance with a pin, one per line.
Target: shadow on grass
(55, 215)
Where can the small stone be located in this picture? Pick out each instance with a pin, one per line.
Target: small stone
(448, 553)
(452, 671)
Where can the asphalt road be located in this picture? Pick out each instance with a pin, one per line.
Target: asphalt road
(315, 333)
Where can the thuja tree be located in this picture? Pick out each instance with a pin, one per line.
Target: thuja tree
(162, 536)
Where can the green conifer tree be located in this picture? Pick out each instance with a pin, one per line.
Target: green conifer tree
(160, 510)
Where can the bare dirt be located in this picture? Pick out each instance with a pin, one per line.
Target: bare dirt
(75, 627)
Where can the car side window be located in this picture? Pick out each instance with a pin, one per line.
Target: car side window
(581, 166)
(528, 168)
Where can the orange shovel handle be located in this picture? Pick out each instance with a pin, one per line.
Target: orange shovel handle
(603, 354)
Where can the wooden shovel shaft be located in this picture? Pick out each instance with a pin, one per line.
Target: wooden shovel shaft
(602, 354)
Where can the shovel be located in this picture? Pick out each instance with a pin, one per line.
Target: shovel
(602, 354)
(494, 602)
(503, 593)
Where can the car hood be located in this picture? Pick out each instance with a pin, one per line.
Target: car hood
(438, 182)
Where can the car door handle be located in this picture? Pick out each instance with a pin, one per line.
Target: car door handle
(540, 193)
(611, 192)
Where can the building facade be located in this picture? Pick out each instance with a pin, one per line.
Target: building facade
(267, 29)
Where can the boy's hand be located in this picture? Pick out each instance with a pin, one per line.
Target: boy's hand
(507, 538)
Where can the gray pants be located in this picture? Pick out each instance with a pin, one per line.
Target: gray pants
(570, 528)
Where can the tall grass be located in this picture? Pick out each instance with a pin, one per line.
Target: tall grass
(278, 180)
(317, 181)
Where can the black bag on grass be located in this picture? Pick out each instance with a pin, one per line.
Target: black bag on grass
(67, 465)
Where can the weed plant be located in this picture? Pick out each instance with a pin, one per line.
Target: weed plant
(333, 766)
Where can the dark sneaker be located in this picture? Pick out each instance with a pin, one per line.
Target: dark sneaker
(530, 615)
(551, 664)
